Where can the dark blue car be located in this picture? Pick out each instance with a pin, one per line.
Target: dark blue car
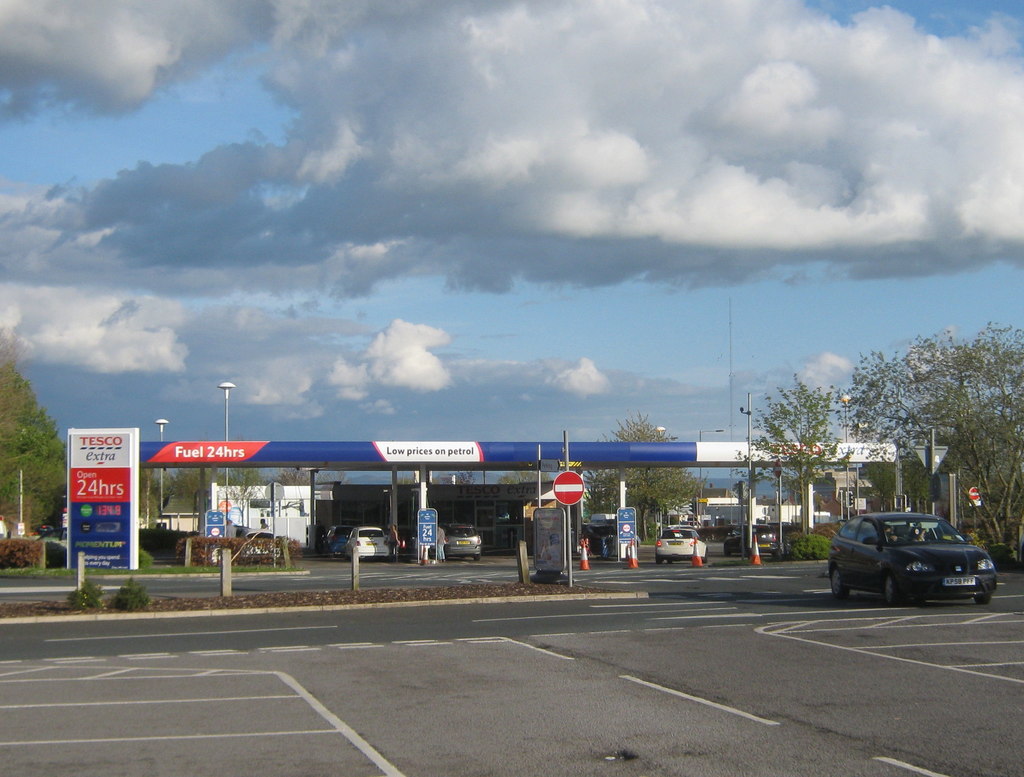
(908, 557)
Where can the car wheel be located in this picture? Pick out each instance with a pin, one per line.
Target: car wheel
(891, 591)
(839, 589)
(658, 560)
(476, 557)
(984, 598)
(704, 559)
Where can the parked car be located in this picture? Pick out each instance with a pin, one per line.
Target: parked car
(679, 543)
(601, 537)
(337, 537)
(368, 541)
(462, 540)
(908, 556)
(767, 541)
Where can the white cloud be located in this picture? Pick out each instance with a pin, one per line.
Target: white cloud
(98, 332)
(400, 356)
(351, 380)
(582, 380)
(826, 369)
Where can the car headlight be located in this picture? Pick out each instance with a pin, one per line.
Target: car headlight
(919, 566)
(985, 565)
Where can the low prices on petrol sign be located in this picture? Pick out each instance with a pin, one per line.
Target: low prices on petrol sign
(102, 504)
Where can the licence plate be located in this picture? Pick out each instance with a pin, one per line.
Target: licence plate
(463, 542)
(959, 581)
(675, 542)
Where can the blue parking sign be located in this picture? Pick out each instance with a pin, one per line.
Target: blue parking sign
(626, 518)
(426, 526)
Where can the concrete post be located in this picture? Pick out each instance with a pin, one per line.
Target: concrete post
(225, 571)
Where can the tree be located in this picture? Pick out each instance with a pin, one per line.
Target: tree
(31, 450)
(972, 395)
(798, 431)
(649, 490)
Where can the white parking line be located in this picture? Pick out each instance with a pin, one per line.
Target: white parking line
(908, 767)
(699, 700)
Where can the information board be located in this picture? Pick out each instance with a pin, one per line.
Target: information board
(103, 510)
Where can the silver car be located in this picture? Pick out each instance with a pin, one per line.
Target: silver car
(462, 540)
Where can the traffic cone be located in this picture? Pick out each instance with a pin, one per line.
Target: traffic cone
(755, 553)
(631, 562)
(584, 561)
(695, 559)
(424, 555)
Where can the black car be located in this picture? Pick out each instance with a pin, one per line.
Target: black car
(767, 541)
(908, 556)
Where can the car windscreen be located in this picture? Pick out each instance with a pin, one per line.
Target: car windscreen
(460, 531)
(904, 531)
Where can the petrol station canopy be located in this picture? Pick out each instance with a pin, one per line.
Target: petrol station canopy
(501, 456)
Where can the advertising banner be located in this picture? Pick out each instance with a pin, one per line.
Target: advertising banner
(548, 540)
(103, 509)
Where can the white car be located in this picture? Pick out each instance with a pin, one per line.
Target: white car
(371, 541)
(679, 543)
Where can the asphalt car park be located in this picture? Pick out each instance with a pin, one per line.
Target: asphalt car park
(81, 717)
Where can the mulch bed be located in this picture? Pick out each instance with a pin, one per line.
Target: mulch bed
(309, 599)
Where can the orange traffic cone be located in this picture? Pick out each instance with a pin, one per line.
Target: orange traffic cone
(695, 559)
(584, 561)
(631, 562)
(755, 553)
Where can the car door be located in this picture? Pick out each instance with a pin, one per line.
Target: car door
(865, 557)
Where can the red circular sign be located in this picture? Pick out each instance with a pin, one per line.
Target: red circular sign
(568, 488)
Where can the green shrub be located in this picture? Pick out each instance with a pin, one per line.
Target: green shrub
(131, 596)
(88, 597)
(1001, 554)
(56, 555)
(145, 559)
(810, 546)
(159, 540)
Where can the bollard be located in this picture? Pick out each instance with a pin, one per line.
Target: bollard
(355, 567)
(188, 552)
(225, 572)
(523, 560)
(80, 577)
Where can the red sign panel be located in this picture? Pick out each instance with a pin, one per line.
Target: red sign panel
(568, 488)
(206, 452)
(101, 485)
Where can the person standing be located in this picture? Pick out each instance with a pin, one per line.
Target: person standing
(441, 539)
(393, 542)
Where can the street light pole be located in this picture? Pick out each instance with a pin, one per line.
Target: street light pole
(748, 412)
(226, 387)
(700, 471)
(161, 423)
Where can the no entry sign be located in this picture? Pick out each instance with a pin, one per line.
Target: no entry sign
(568, 488)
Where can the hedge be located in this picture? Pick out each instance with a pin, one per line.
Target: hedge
(254, 552)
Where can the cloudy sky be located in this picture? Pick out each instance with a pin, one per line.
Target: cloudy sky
(491, 220)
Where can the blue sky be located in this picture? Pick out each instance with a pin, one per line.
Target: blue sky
(495, 220)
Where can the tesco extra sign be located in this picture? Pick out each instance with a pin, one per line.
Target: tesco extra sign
(109, 442)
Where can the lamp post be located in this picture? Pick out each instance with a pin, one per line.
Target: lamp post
(226, 387)
(845, 399)
(161, 423)
(700, 472)
(748, 412)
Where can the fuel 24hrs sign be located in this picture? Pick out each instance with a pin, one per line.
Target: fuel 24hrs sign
(103, 467)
